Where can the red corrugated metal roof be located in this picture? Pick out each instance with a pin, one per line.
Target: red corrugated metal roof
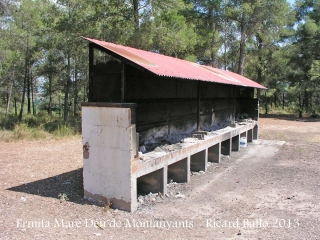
(162, 65)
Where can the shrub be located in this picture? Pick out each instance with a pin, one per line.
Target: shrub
(22, 131)
(63, 130)
(8, 123)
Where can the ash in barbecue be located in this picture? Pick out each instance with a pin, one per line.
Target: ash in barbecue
(176, 138)
(165, 148)
(176, 141)
(215, 127)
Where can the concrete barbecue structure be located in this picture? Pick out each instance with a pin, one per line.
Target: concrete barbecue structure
(179, 114)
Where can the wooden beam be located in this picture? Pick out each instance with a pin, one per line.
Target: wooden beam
(91, 58)
(198, 108)
(123, 81)
(234, 105)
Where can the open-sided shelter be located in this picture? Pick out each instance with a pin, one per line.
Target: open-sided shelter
(142, 100)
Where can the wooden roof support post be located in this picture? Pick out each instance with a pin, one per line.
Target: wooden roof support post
(198, 108)
(91, 59)
(234, 105)
(123, 81)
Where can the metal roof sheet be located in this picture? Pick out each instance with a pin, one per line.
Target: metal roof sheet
(166, 66)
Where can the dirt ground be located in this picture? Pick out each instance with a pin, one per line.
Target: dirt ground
(269, 190)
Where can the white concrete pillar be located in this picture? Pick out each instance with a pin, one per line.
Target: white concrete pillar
(109, 146)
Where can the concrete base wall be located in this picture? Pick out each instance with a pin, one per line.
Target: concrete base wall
(112, 171)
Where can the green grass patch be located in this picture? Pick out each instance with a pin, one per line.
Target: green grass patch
(63, 130)
(36, 127)
(23, 132)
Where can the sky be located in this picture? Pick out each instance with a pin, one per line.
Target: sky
(291, 2)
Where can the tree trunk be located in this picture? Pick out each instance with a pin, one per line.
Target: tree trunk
(311, 104)
(15, 107)
(66, 91)
(300, 106)
(243, 30)
(85, 88)
(50, 94)
(259, 39)
(283, 100)
(211, 27)
(8, 100)
(136, 23)
(23, 96)
(225, 56)
(266, 99)
(259, 81)
(28, 91)
(306, 100)
(75, 101)
(213, 59)
(9, 96)
(32, 97)
(225, 46)
(28, 84)
(24, 83)
(59, 99)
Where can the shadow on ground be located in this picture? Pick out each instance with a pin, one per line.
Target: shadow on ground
(67, 185)
(290, 117)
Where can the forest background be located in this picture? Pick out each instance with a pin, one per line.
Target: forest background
(44, 61)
